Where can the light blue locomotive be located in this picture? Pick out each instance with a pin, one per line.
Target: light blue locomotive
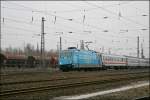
(79, 59)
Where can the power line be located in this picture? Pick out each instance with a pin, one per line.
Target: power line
(116, 14)
(67, 19)
(88, 9)
(65, 11)
(19, 21)
(47, 27)
(35, 10)
(18, 28)
(75, 21)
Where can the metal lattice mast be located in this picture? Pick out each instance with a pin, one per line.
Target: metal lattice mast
(138, 47)
(42, 43)
(142, 51)
(60, 44)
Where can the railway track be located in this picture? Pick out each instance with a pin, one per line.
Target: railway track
(66, 78)
(43, 72)
(74, 84)
(22, 73)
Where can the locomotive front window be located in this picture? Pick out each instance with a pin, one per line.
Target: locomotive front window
(65, 54)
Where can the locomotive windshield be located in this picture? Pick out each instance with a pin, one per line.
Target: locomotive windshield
(65, 54)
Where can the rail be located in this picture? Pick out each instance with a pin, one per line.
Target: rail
(67, 78)
(67, 85)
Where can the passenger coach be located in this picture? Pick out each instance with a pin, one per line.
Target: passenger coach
(114, 61)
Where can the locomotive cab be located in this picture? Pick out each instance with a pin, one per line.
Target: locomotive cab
(65, 60)
(74, 59)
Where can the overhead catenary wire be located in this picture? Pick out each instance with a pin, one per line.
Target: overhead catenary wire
(24, 22)
(35, 10)
(64, 11)
(87, 9)
(63, 18)
(18, 21)
(88, 3)
(23, 29)
(63, 25)
(51, 27)
(126, 18)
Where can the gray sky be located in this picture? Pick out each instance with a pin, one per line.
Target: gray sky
(113, 25)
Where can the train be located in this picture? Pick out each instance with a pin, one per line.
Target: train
(23, 61)
(75, 59)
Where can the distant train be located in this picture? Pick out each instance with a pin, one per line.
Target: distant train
(74, 59)
(26, 61)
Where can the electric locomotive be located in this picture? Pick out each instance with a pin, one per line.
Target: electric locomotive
(74, 59)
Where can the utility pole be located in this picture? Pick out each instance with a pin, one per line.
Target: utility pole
(138, 47)
(60, 44)
(142, 52)
(82, 45)
(0, 41)
(42, 44)
(87, 43)
(1, 38)
(103, 49)
(109, 51)
(60, 47)
(77, 46)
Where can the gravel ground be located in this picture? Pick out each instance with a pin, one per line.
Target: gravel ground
(28, 85)
(26, 76)
(50, 94)
(13, 70)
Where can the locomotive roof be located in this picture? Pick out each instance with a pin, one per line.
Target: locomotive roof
(80, 50)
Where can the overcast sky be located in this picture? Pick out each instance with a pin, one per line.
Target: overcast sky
(112, 25)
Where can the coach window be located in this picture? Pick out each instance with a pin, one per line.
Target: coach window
(106, 58)
(109, 58)
(103, 58)
(120, 59)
